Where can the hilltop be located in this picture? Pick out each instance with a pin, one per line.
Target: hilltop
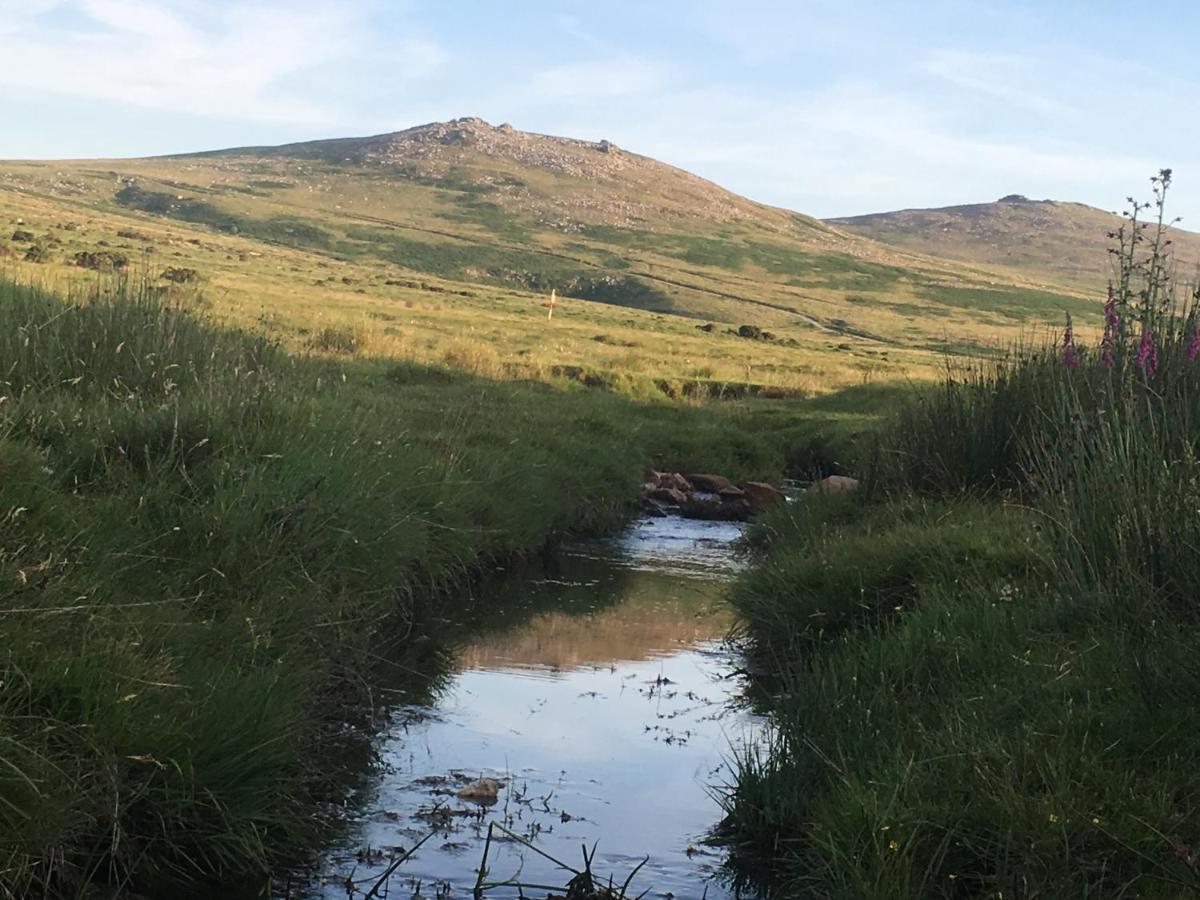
(1059, 242)
(584, 182)
(442, 242)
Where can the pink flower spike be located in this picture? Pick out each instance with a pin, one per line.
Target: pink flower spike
(1144, 346)
(1070, 354)
(1111, 318)
(1147, 355)
(1193, 346)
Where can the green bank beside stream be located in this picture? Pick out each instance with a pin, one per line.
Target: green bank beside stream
(982, 667)
(206, 545)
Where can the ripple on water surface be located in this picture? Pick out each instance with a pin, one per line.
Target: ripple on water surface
(607, 718)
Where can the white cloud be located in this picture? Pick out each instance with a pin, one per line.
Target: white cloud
(241, 61)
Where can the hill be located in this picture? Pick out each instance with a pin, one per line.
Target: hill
(1060, 243)
(441, 243)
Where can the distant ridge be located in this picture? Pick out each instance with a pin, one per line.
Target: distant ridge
(1052, 240)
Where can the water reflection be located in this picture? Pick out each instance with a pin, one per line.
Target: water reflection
(605, 715)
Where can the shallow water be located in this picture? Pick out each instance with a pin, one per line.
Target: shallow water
(606, 716)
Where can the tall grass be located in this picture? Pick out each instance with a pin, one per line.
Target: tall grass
(989, 425)
(208, 547)
(983, 677)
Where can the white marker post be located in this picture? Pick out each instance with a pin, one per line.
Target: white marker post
(550, 311)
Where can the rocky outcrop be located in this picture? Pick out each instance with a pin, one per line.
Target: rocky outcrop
(715, 509)
(706, 496)
(717, 498)
(709, 484)
(101, 260)
(835, 484)
(667, 496)
(760, 495)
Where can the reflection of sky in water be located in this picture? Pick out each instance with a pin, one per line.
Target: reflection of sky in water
(626, 748)
(671, 545)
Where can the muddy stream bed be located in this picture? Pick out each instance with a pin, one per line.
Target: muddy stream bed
(604, 718)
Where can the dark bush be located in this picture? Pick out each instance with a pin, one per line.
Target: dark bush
(180, 274)
(101, 260)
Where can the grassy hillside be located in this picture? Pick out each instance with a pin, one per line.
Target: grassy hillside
(1058, 243)
(441, 243)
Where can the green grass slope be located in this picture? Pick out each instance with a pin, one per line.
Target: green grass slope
(1059, 243)
(491, 207)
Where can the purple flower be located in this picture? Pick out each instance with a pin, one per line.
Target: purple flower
(1106, 357)
(1147, 355)
(1193, 346)
(1111, 318)
(1070, 354)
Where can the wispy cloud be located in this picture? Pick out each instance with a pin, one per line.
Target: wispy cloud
(1009, 78)
(243, 60)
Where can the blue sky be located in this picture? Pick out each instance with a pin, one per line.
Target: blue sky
(828, 108)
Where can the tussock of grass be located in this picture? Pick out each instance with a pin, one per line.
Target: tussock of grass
(949, 725)
(860, 570)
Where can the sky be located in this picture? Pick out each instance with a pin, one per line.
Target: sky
(829, 108)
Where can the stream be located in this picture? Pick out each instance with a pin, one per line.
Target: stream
(603, 716)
